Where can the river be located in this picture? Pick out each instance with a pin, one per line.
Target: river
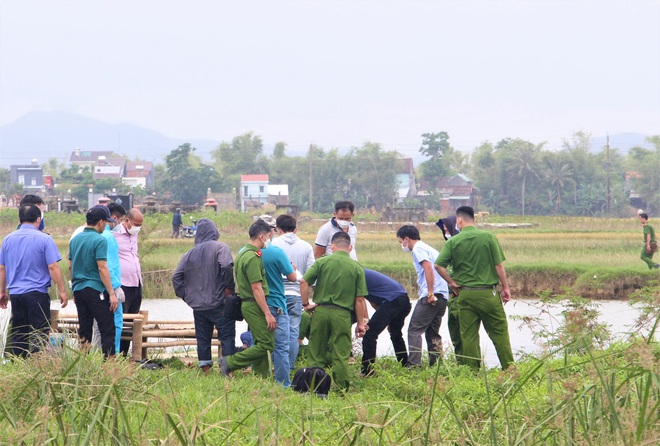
(619, 315)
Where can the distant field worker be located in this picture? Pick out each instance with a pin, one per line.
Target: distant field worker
(177, 221)
(650, 243)
(477, 261)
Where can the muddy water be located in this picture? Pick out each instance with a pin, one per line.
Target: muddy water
(617, 314)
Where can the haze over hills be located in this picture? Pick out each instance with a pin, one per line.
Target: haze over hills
(43, 135)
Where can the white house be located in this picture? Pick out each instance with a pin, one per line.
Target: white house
(254, 191)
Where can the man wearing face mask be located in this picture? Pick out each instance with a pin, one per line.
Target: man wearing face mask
(93, 292)
(253, 288)
(342, 220)
(126, 236)
(432, 303)
(34, 200)
(28, 261)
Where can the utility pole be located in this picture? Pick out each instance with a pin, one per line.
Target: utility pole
(608, 167)
(309, 155)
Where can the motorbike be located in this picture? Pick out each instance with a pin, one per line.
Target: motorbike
(189, 231)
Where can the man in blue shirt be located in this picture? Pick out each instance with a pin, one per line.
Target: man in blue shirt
(277, 264)
(28, 261)
(118, 213)
(390, 300)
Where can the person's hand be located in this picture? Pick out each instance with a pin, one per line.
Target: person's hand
(119, 292)
(454, 288)
(648, 248)
(310, 308)
(271, 322)
(505, 294)
(3, 300)
(64, 298)
(360, 329)
(114, 302)
(431, 299)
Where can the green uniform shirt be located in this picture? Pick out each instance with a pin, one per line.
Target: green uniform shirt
(249, 269)
(84, 251)
(473, 254)
(648, 229)
(339, 280)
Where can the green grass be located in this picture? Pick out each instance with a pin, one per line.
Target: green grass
(602, 397)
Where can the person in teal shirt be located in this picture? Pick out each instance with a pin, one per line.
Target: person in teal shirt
(277, 265)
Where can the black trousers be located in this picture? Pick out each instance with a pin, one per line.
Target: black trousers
(391, 315)
(131, 305)
(90, 306)
(30, 322)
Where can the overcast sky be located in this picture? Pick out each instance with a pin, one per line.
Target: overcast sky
(339, 73)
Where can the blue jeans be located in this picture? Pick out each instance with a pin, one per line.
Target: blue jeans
(281, 350)
(205, 320)
(294, 306)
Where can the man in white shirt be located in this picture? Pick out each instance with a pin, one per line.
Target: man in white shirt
(432, 303)
(342, 220)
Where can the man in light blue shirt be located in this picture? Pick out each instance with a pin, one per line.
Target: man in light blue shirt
(277, 264)
(118, 213)
(28, 261)
(432, 302)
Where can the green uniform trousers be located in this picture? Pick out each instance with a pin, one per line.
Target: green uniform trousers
(258, 356)
(475, 307)
(330, 342)
(454, 328)
(647, 257)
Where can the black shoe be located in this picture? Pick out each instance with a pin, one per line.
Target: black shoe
(657, 265)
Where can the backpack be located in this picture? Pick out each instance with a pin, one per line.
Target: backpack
(312, 378)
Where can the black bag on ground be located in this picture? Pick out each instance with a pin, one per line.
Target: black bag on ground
(233, 307)
(312, 378)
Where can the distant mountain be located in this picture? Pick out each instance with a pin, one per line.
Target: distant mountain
(622, 141)
(43, 135)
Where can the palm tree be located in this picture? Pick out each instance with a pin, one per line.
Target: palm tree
(558, 173)
(524, 162)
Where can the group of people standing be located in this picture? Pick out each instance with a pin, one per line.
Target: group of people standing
(275, 275)
(104, 269)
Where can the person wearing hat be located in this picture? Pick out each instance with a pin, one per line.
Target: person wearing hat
(93, 292)
(177, 221)
(278, 264)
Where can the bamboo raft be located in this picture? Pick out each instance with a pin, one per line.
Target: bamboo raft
(142, 332)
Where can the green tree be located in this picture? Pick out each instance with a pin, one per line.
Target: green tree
(558, 173)
(435, 146)
(523, 163)
(186, 177)
(646, 162)
(5, 182)
(373, 176)
(243, 155)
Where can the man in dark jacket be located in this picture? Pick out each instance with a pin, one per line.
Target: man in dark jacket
(203, 279)
(177, 221)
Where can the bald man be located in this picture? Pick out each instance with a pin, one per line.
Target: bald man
(131, 272)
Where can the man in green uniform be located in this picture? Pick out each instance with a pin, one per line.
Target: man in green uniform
(649, 239)
(340, 289)
(477, 262)
(253, 289)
